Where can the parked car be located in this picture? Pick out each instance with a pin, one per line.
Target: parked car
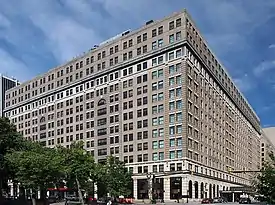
(207, 201)
(244, 201)
(219, 200)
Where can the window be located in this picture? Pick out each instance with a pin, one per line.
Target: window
(172, 142)
(139, 39)
(154, 62)
(154, 45)
(161, 144)
(155, 145)
(154, 75)
(154, 33)
(178, 53)
(125, 45)
(178, 22)
(178, 36)
(171, 56)
(144, 36)
(171, 69)
(171, 25)
(144, 48)
(130, 42)
(160, 59)
(155, 156)
(139, 51)
(171, 38)
(172, 155)
(160, 43)
(160, 30)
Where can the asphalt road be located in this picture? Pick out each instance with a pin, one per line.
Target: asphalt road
(171, 203)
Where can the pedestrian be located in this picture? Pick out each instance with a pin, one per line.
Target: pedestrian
(109, 202)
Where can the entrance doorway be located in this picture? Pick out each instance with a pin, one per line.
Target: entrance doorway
(175, 187)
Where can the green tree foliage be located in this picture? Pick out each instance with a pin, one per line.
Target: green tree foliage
(265, 181)
(37, 167)
(40, 167)
(116, 178)
(78, 164)
(10, 140)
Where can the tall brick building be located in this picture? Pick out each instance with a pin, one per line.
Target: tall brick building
(159, 100)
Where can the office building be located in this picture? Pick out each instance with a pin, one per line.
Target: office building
(159, 100)
(270, 134)
(5, 84)
(267, 147)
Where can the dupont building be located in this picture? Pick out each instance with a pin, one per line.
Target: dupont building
(159, 100)
(5, 84)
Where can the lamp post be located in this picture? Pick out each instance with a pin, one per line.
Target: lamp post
(150, 179)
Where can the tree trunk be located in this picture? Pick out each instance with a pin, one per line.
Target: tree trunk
(79, 191)
(33, 201)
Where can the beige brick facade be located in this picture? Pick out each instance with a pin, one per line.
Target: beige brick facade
(158, 99)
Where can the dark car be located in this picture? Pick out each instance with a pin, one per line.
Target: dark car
(207, 201)
(244, 201)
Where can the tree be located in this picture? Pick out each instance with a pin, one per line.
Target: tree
(265, 181)
(10, 140)
(117, 178)
(79, 167)
(37, 168)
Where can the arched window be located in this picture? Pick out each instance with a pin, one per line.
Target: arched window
(196, 190)
(101, 102)
(190, 187)
(42, 119)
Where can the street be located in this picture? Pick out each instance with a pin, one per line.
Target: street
(173, 203)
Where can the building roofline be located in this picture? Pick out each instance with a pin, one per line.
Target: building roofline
(222, 65)
(86, 53)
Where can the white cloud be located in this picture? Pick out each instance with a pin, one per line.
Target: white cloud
(271, 46)
(263, 67)
(76, 26)
(10, 65)
(244, 83)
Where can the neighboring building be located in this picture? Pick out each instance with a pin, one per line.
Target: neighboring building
(5, 84)
(270, 134)
(159, 100)
(267, 147)
(267, 143)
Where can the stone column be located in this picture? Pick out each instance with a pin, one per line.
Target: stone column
(135, 189)
(18, 190)
(95, 191)
(184, 185)
(150, 188)
(206, 190)
(193, 190)
(166, 187)
(11, 189)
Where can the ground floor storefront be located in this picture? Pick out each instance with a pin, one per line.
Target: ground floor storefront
(170, 188)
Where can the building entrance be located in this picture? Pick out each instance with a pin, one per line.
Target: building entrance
(175, 187)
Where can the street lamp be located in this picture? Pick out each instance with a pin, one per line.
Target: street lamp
(150, 178)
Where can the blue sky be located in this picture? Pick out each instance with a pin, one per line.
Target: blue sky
(37, 35)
